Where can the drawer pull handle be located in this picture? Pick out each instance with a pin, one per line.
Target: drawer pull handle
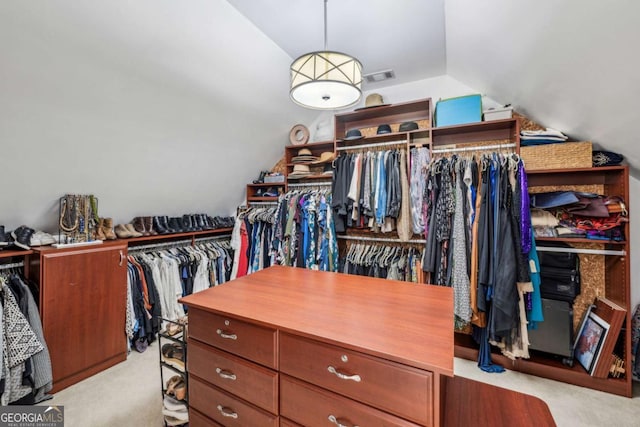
(342, 376)
(228, 336)
(227, 412)
(334, 420)
(226, 374)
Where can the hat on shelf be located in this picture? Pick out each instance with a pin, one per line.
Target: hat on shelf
(304, 155)
(408, 126)
(382, 129)
(606, 158)
(328, 169)
(300, 171)
(372, 100)
(352, 135)
(327, 156)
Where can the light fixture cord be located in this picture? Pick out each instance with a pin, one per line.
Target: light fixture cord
(325, 25)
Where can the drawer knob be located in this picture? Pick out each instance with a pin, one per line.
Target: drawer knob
(342, 376)
(334, 420)
(227, 412)
(226, 374)
(226, 335)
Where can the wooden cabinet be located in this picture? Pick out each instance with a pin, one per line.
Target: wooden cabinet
(265, 192)
(316, 169)
(300, 346)
(82, 305)
(605, 271)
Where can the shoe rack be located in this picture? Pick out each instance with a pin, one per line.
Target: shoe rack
(172, 347)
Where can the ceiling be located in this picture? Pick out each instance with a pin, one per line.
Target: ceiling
(566, 64)
(404, 35)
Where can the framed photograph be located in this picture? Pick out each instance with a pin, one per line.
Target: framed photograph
(593, 332)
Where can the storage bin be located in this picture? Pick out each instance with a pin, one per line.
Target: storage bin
(557, 156)
(460, 110)
(498, 114)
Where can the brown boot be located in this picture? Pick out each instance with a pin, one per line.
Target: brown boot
(148, 225)
(107, 229)
(98, 231)
(132, 230)
(138, 225)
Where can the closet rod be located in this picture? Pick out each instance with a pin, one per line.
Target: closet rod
(263, 203)
(319, 184)
(212, 238)
(581, 251)
(160, 245)
(12, 265)
(474, 148)
(378, 144)
(380, 239)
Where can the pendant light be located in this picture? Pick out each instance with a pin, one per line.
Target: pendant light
(326, 80)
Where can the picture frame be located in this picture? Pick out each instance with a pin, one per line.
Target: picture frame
(593, 332)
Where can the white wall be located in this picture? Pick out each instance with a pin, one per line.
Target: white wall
(154, 106)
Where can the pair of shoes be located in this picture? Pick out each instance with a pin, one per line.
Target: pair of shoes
(144, 225)
(40, 238)
(125, 231)
(104, 229)
(22, 236)
(173, 328)
(173, 354)
(176, 387)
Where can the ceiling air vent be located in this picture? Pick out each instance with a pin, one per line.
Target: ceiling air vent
(379, 76)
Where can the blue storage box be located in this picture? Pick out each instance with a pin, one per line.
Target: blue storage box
(459, 110)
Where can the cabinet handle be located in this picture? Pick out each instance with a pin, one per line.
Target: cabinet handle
(227, 412)
(334, 420)
(226, 374)
(226, 335)
(121, 258)
(342, 376)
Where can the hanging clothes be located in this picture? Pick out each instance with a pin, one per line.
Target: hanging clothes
(157, 278)
(476, 212)
(369, 189)
(25, 369)
(387, 261)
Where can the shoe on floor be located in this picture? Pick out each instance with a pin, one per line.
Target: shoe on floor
(40, 238)
(22, 236)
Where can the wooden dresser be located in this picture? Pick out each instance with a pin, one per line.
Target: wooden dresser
(293, 347)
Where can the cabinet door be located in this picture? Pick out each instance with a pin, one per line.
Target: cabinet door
(83, 312)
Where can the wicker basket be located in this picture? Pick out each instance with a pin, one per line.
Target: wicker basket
(564, 155)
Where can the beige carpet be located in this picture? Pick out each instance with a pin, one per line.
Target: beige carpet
(129, 394)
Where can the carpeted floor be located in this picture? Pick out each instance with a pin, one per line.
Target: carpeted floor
(129, 394)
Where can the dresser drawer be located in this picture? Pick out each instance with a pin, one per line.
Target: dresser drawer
(196, 419)
(253, 383)
(287, 423)
(225, 408)
(390, 386)
(235, 336)
(312, 406)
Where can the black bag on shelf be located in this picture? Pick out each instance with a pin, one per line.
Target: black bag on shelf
(559, 273)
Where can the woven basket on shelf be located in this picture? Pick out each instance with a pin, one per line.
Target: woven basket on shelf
(564, 155)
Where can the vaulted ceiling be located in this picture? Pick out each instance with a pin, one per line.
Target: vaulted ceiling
(569, 64)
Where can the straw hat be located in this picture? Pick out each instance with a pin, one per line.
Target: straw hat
(300, 171)
(327, 156)
(373, 100)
